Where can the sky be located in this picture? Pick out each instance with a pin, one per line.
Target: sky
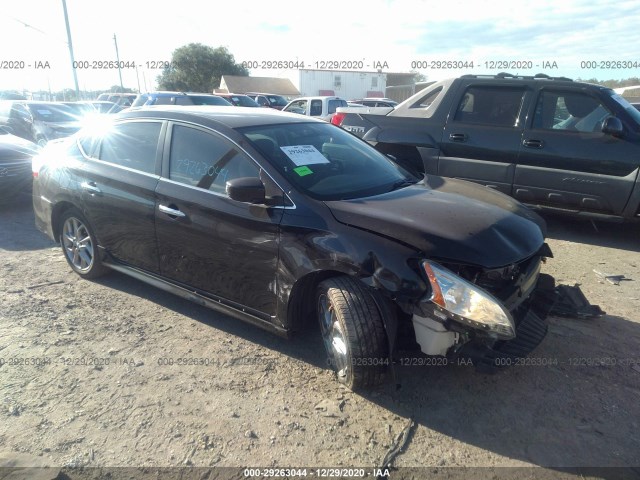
(560, 38)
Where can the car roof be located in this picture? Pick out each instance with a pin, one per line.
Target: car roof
(235, 118)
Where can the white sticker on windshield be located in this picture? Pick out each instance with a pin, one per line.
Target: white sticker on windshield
(304, 155)
(44, 112)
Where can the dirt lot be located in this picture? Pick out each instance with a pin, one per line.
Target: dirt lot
(87, 377)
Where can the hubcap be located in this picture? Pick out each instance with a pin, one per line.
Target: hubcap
(77, 244)
(333, 336)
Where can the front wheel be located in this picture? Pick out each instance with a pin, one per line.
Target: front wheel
(79, 245)
(353, 332)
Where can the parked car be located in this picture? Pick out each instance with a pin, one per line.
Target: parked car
(375, 102)
(38, 122)
(276, 218)
(178, 98)
(122, 99)
(269, 100)
(16, 119)
(80, 109)
(103, 106)
(239, 100)
(15, 164)
(552, 143)
(322, 107)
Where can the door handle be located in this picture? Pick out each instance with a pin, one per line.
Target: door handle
(91, 187)
(458, 137)
(172, 212)
(533, 143)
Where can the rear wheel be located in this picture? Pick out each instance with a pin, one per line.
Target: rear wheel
(353, 332)
(79, 245)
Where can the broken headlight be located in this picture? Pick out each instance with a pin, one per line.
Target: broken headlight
(467, 303)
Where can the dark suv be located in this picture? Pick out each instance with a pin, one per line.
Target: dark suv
(277, 218)
(551, 143)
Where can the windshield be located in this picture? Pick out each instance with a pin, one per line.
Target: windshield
(326, 162)
(630, 109)
(139, 101)
(51, 113)
(242, 101)
(277, 100)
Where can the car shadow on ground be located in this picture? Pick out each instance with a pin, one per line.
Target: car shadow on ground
(573, 403)
(308, 348)
(625, 236)
(16, 214)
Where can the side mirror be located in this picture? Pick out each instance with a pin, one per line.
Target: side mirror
(246, 189)
(613, 126)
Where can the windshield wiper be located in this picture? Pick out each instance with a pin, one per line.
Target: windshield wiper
(402, 183)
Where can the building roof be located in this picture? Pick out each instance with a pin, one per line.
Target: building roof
(242, 84)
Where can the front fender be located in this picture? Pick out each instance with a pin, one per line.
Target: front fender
(307, 256)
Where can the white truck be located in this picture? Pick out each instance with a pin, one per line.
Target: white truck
(322, 107)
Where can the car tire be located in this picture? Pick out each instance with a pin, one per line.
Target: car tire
(353, 332)
(79, 245)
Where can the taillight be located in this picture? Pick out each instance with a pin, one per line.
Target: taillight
(338, 118)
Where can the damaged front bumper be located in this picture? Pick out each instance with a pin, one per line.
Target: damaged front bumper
(492, 317)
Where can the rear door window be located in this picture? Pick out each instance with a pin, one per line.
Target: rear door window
(334, 104)
(132, 144)
(497, 106)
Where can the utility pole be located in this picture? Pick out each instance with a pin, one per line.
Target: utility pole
(73, 62)
(138, 78)
(118, 59)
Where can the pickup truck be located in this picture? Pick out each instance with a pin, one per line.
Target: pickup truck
(550, 142)
(322, 107)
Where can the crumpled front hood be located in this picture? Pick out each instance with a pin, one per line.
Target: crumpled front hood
(451, 220)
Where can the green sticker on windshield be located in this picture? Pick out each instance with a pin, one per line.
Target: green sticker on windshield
(302, 171)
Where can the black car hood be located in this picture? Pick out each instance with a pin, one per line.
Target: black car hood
(451, 220)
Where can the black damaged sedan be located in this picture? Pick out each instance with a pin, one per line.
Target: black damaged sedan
(277, 220)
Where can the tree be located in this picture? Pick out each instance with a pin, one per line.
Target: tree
(119, 89)
(418, 77)
(198, 68)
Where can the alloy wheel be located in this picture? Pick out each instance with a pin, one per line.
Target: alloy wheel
(77, 244)
(333, 336)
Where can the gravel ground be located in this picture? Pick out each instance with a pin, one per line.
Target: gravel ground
(91, 376)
